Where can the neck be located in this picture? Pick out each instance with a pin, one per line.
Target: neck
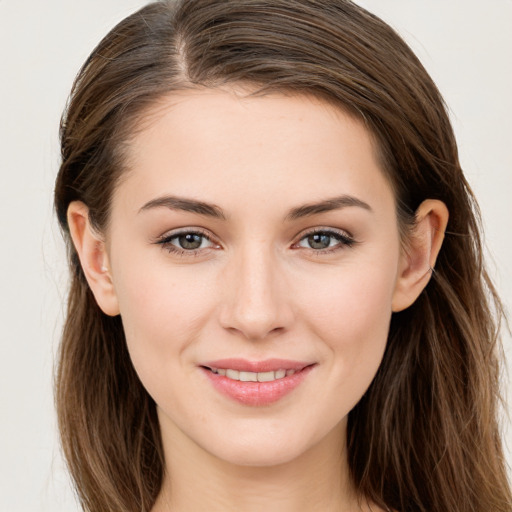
(197, 480)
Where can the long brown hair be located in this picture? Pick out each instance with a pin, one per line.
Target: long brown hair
(425, 436)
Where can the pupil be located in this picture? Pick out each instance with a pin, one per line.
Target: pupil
(319, 241)
(190, 241)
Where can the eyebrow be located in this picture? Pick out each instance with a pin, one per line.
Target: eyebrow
(334, 203)
(186, 205)
(212, 210)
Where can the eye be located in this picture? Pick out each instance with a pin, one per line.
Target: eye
(186, 242)
(189, 241)
(325, 240)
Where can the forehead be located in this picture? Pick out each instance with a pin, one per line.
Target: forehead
(221, 143)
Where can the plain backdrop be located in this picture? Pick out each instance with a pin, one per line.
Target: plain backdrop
(466, 45)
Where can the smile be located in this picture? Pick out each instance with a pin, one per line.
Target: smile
(256, 383)
(252, 376)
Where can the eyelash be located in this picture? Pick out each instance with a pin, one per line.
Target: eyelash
(166, 242)
(345, 241)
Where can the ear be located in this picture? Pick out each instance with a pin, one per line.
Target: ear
(93, 257)
(418, 258)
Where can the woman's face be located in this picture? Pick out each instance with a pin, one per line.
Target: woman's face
(252, 238)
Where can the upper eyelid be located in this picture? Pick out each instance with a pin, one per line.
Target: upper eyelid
(165, 241)
(168, 235)
(172, 234)
(345, 239)
(336, 231)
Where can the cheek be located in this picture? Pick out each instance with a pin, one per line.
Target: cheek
(162, 310)
(351, 317)
(353, 300)
(352, 320)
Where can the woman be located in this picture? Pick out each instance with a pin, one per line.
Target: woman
(255, 196)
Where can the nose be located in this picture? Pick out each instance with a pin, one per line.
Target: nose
(258, 301)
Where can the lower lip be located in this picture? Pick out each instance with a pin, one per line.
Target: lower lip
(257, 393)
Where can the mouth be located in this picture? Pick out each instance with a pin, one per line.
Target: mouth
(256, 383)
(242, 376)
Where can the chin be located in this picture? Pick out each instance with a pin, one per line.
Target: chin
(259, 447)
(259, 456)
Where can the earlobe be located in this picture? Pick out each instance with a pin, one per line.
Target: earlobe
(419, 257)
(93, 256)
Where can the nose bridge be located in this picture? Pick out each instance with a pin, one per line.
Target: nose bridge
(258, 303)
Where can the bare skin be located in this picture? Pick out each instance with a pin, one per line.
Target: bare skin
(258, 273)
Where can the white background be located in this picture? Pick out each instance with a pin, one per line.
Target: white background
(465, 44)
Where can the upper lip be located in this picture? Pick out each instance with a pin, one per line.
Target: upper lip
(267, 365)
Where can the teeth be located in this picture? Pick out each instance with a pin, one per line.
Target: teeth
(253, 376)
(267, 376)
(233, 374)
(248, 377)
